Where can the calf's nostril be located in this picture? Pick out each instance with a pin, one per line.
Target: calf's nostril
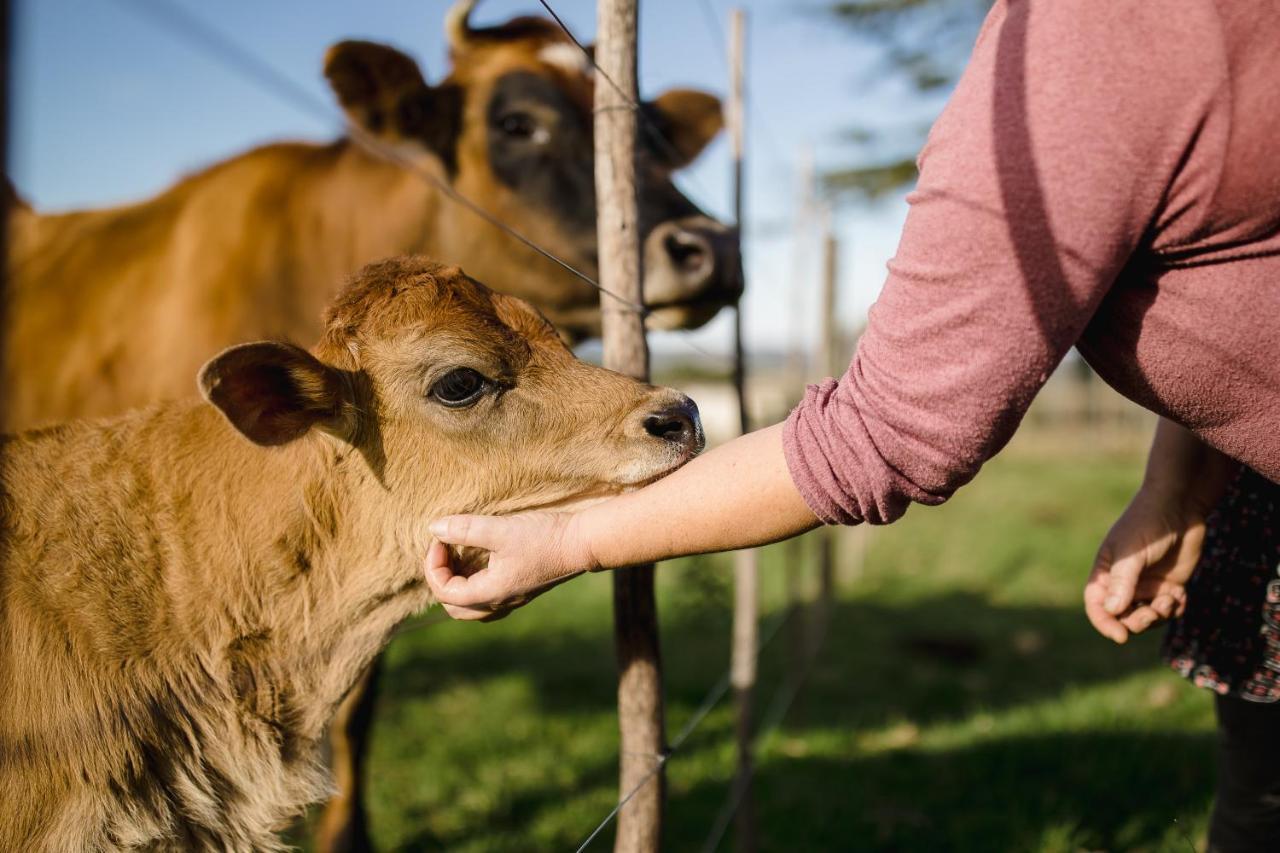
(675, 426)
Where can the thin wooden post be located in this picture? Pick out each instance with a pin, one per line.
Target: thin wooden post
(640, 711)
(827, 366)
(746, 564)
(799, 356)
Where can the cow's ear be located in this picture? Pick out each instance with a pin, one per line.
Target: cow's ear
(274, 393)
(688, 121)
(384, 94)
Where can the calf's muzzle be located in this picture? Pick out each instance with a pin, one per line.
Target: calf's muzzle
(677, 424)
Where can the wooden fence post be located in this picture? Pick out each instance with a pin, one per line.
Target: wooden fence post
(828, 344)
(746, 564)
(640, 711)
(798, 557)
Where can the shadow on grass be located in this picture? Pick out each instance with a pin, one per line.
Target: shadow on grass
(940, 660)
(1069, 792)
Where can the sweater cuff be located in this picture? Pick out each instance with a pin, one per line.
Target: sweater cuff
(804, 444)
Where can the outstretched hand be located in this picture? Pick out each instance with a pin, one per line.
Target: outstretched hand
(687, 512)
(1140, 574)
(527, 555)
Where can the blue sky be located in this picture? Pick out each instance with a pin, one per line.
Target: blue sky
(110, 107)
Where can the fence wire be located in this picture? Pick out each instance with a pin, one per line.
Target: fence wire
(783, 697)
(713, 697)
(226, 51)
(646, 122)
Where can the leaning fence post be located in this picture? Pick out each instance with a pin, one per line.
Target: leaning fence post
(746, 564)
(640, 713)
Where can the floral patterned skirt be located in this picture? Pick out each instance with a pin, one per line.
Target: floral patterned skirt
(1228, 640)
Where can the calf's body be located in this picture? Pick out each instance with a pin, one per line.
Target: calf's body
(187, 592)
(179, 620)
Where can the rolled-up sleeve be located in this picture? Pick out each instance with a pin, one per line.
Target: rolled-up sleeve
(1057, 157)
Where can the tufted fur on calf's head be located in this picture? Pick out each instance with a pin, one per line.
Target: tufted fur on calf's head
(188, 591)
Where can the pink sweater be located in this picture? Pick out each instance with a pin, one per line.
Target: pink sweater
(1107, 174)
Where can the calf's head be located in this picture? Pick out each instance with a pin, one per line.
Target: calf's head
(455, 399)
(510, 127)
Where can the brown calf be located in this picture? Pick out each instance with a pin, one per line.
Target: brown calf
(182, 609)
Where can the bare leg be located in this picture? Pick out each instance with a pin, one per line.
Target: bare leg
(343, 826)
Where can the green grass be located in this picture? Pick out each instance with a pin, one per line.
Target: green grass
(960, 700)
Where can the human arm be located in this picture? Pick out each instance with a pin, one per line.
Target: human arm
(737, 496)
(1040, 182)
(1140, 573)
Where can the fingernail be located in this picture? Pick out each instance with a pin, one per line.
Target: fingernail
(1113, 604)
(437, 527)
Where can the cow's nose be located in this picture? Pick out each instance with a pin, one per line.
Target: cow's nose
(691, 254)
(679, 424)
(689, 260)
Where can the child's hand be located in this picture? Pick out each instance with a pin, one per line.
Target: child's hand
(1140, 574)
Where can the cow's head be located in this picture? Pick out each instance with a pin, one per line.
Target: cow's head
(510, 128)
(459, 399)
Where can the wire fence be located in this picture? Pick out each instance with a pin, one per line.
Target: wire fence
(225, 50)
(709, 702)
(783, 698)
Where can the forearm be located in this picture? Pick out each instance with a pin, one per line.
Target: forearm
(1183, 468)
(737, 496)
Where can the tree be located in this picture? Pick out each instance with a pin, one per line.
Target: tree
(923, 47)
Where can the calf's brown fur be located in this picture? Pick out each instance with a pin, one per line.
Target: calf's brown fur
(182, 609)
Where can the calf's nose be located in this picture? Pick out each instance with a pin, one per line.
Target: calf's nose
(678, 424)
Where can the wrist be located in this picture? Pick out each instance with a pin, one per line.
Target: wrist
(1188, 500)
(578, 547)
(1183, 471)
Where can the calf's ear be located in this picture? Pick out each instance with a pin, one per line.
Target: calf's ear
(384, 94)
(688, 120)
(274, 393)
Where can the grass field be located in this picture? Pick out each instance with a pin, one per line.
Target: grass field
(959, 702)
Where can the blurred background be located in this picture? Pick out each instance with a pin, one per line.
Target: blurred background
(957, 700)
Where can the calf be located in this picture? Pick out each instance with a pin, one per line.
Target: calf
(188, 591)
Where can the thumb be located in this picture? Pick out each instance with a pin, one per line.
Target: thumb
(478, 531)
(1125, 573)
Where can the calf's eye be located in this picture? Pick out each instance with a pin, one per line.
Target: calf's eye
(458, 388)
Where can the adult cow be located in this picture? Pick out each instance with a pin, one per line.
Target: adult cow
(233, 253)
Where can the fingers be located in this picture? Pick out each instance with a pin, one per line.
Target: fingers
(1124, 574)
(1164, 606)
(1095, 593)
(479, 531)
(1141, 619)
(454, 590)
(470, 614)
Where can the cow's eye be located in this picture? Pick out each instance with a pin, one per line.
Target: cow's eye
(459, 388)
(518, 125)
